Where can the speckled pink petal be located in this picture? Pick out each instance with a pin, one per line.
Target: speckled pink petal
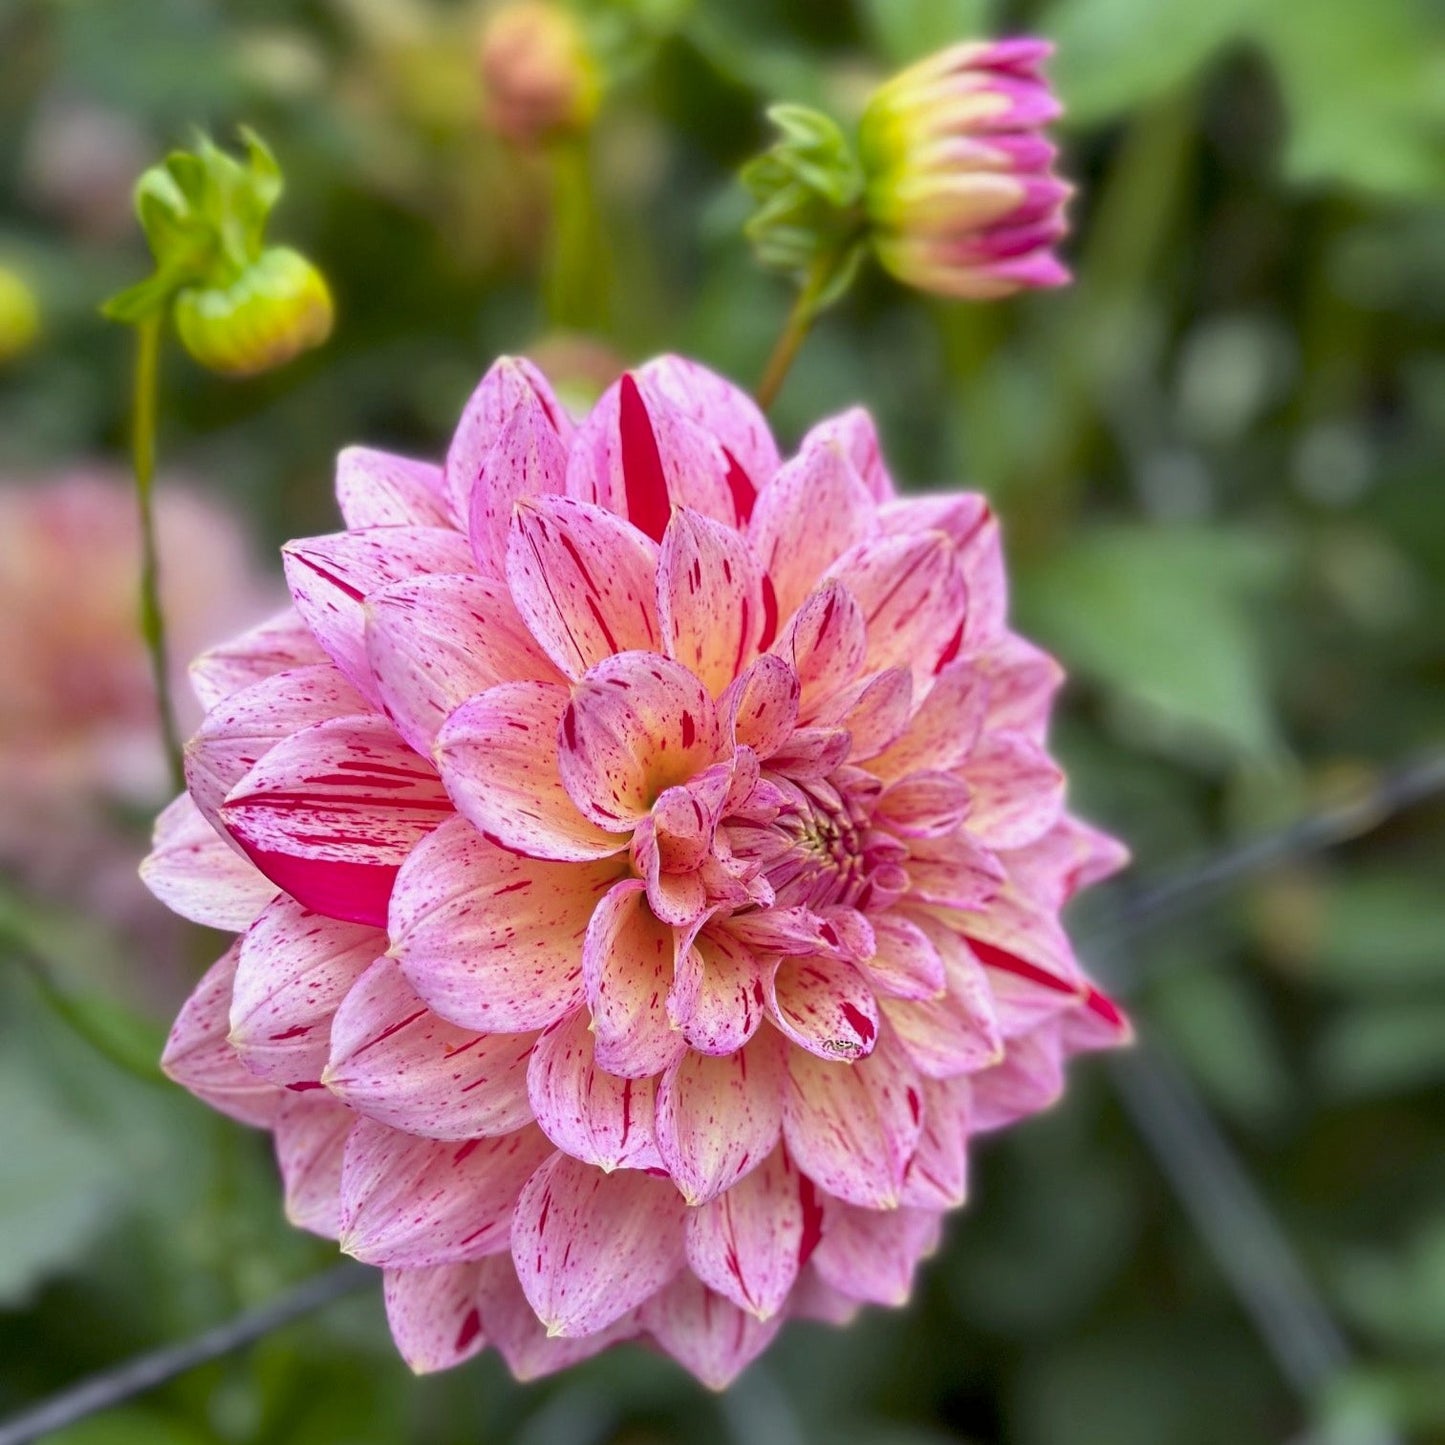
(1097, 1023)
(722, 409)
(331, 577)
(905, 963)
(705, 1333)
(434, 1315)
(749, 1243)
(395, 1061)
(1022, 681)
(760, 709)
(875, 710)
(311, 1131)
(947, 1036)
(638, 455)
(409, 1202)
(498, 757)
(512, 384)
(954, 871)
(1030, 1079)
(528, 459)
(924, 805)
(330, 813)
(826, 641)
(433, 642)
(239, 731)
(199, 1058)
(823, 1005)
(717, 998)
(590, 1247)
(638, 723)
(592, 1115)
(295, 967)
(871, 1254)
(281, 642)
(813, 510)
(944, 730)
(1070, 856)
(519, 1336)
(719, 1118)
(813, 1298)
(937, 1175)
(958, 515)
(490, 940)
(584, 581)
(812, 753)
(852, 1128)
(855, 435)
(381, 489)
(912, 595)
(627, 964)
(1017, 790)
(709, 598)
(197, 873)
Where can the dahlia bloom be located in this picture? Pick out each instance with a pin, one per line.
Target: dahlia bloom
(647, 864)
(960, 182)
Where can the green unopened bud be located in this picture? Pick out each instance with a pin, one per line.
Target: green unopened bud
(276, 308)
(240, 306)
(19, 315)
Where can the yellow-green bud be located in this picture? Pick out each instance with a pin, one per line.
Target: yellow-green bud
(276, 308)
(240, 306)
(19, 316)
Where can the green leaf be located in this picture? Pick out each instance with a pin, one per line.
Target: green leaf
(1166, 621)
(1383, 1049)
(1363, 86)
(56, 1188)
(907, 29)
(1114, 55)
(1379, 930)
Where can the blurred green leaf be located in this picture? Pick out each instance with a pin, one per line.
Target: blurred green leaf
(56, 1187)
(1113, 55)
(1383, 1049)
(1364, 84)
(904, 30)
(130, 1427)
(1165, 621)
(1378, 930)
(1217, 1021)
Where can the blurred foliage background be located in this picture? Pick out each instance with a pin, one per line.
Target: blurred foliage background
(1218, 456)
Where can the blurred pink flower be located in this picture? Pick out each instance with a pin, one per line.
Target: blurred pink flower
(961, 187)
(78, 734)
(648, 865)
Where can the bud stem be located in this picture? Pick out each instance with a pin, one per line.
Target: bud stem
(795, 329)
(577, 283)
(143, 459)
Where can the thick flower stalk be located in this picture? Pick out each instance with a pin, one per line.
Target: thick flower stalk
(647, 865)
(960, 188)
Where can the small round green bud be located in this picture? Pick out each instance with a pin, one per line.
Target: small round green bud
(276, 308)
(19, 316)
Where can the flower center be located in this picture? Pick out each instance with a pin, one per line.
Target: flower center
(823, 850)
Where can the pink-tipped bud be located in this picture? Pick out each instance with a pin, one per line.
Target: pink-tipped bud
(961, 191)
(540, 80)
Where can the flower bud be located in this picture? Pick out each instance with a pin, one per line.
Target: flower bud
(19, 316)
(277, 307)
(240, 306)
(541, 83)
(960, 189)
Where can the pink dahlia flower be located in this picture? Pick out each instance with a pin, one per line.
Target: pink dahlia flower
(647, 865)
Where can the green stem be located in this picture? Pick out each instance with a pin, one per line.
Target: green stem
(578, 281)
(143, 457)
(795, 330)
